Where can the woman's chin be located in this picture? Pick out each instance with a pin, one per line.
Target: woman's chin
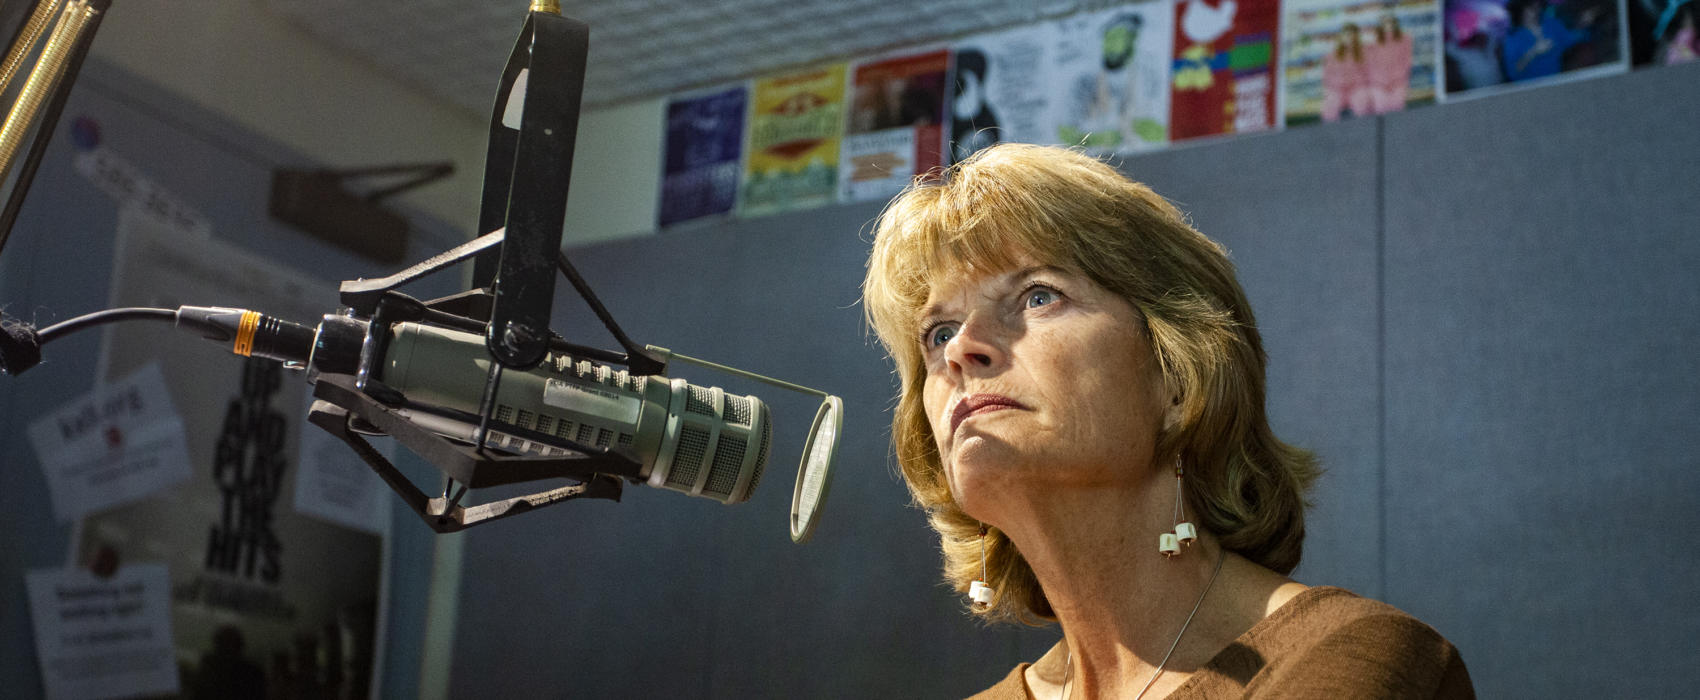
(981, 469)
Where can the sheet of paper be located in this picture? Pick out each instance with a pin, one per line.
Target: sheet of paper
(133, 187)
(103, 638)
(120, 443)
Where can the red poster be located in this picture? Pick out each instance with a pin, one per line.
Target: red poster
(1224, 72)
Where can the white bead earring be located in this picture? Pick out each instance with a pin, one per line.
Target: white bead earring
(979, 593)
(1169, 543)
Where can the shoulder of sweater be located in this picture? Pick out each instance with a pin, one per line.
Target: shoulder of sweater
(1012, 687)
(1349, 646)
(1327, 615)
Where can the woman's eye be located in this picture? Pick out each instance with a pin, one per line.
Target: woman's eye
(1040, 297)
(940, 335)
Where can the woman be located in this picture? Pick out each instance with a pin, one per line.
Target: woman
(1082, 390)
(1345, 79)
(1387, 66)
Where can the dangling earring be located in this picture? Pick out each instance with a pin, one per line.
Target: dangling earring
(1169, 543)
(979, 593)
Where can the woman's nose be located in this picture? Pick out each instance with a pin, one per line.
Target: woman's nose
(976, 347)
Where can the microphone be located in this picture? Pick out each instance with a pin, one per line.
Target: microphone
(696, 440)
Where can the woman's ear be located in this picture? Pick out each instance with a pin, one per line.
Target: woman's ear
(1172, 414)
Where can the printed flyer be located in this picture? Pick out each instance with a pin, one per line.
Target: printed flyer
(704, 142)
(1664, 32)
(1357, 58)
(1113, 71)
(1224, 71)
(796, 126)
(1002, 90)
(895, 130)
(1495, 45)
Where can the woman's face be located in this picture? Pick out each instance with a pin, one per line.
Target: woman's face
(1037, 376)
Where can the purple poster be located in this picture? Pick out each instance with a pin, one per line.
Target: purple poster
(701, 159)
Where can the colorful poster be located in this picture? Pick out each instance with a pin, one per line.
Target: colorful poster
(1224, 70)
(1113, 68)
(796, 127)
(1664, 32)
(265, 601)
(1492, 45)
(1001, 90)
(704, 142)
(895, 129)
(1356, 58)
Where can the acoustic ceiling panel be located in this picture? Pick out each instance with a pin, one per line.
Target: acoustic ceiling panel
(454, 49)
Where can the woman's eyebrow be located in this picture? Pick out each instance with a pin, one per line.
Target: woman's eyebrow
(1005, 281)
(1031, 270)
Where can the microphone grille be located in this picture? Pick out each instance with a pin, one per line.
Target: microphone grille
(728, 460)
(714, 456)
(761, 454)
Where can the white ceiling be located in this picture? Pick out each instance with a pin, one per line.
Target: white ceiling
(455, 49)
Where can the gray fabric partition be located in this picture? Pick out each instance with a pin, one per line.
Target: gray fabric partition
(1480, 315)
(1543, 384)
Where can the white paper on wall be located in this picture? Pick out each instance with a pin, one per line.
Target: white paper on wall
(119, 443)
(103, 637)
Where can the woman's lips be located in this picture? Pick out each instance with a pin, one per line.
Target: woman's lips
(979, 403)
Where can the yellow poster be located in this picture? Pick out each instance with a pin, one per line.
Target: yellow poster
(796, 127)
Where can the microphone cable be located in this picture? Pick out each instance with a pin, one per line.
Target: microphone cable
(250, 333)
(100, 318)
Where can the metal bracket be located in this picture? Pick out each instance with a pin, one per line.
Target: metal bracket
(546, 73)
(597, 473)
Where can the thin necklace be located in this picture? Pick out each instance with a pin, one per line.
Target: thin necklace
(1068, 663)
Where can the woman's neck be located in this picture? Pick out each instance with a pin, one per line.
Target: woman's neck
(1122, 604)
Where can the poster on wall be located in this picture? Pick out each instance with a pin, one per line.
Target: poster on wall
(1495, 45)
(265, 601)
(796, 127)
(1113, 68)
(1223, 78)
(1002, 89)
(1664, 32)
(1357, 58)
(895, 129)
(701, 156)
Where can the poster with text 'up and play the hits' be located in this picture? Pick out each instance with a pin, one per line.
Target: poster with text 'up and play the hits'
(1223, 77)
(796, 127)
(271, 594)
(895, 127)
(1357, 58)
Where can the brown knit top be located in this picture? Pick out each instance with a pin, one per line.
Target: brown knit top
(1324, 643)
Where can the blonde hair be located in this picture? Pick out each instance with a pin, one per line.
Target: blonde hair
(1064, 208)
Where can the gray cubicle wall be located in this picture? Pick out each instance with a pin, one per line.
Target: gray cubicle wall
(1482, 315)
(58, 264)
